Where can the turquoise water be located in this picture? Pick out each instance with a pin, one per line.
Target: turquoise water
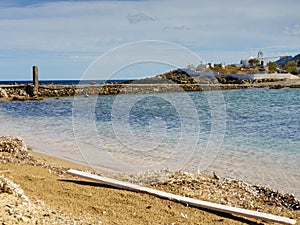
(251, 134)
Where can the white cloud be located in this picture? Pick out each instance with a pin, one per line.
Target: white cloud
(94, 27)
(139, 17)
(293, 30)
(177, 27)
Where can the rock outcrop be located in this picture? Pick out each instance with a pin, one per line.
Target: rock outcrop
(3, 93)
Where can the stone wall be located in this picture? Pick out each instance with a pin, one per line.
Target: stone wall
(45, 91)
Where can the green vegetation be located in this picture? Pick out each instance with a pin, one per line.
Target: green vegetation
(284, 65)
(254, 62)
(231, 69)
(290, 67)
(219, 68)
(272, 67)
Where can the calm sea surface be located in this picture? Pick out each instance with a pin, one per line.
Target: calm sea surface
(61, 82)
(251, 134)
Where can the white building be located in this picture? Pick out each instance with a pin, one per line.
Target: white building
(245, 62)
(260, 56)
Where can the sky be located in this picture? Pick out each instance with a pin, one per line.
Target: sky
(65, 39)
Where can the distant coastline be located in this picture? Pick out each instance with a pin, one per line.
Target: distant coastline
(172, 81)
(60, 82)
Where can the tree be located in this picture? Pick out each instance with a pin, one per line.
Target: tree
(254, 62)
(291, 67)
(272, 67)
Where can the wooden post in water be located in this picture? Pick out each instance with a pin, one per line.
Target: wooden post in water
(35, 74)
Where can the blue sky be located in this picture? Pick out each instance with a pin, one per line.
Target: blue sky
(65, 37)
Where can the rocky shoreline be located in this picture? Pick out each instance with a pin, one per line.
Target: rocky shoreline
(173, 81)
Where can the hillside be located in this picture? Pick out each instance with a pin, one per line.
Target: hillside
(283, 61)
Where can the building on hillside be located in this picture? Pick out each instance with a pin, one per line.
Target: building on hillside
(263, 62)
(202, 67)
(245, 62)
(210, 65)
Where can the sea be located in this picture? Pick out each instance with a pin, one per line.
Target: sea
(247, 134)
(59, 82)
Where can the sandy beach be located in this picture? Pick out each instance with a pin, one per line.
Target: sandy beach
(35, 189)
(145, 112)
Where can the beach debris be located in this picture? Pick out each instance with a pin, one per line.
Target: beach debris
(274, 197)
(216, 176)
(16, 208)
(184, 215)
(12, 145)
(243, 195)
(235, 193)
(16, 151)
(182, 199)
(7, 186)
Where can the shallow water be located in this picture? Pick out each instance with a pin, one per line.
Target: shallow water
(252, 134)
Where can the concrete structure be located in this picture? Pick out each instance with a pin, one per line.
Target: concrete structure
(189, 71)
(261, 76)
(192, 72)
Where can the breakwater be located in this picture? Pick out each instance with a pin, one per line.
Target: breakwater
(25, 92)
(173, 81)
